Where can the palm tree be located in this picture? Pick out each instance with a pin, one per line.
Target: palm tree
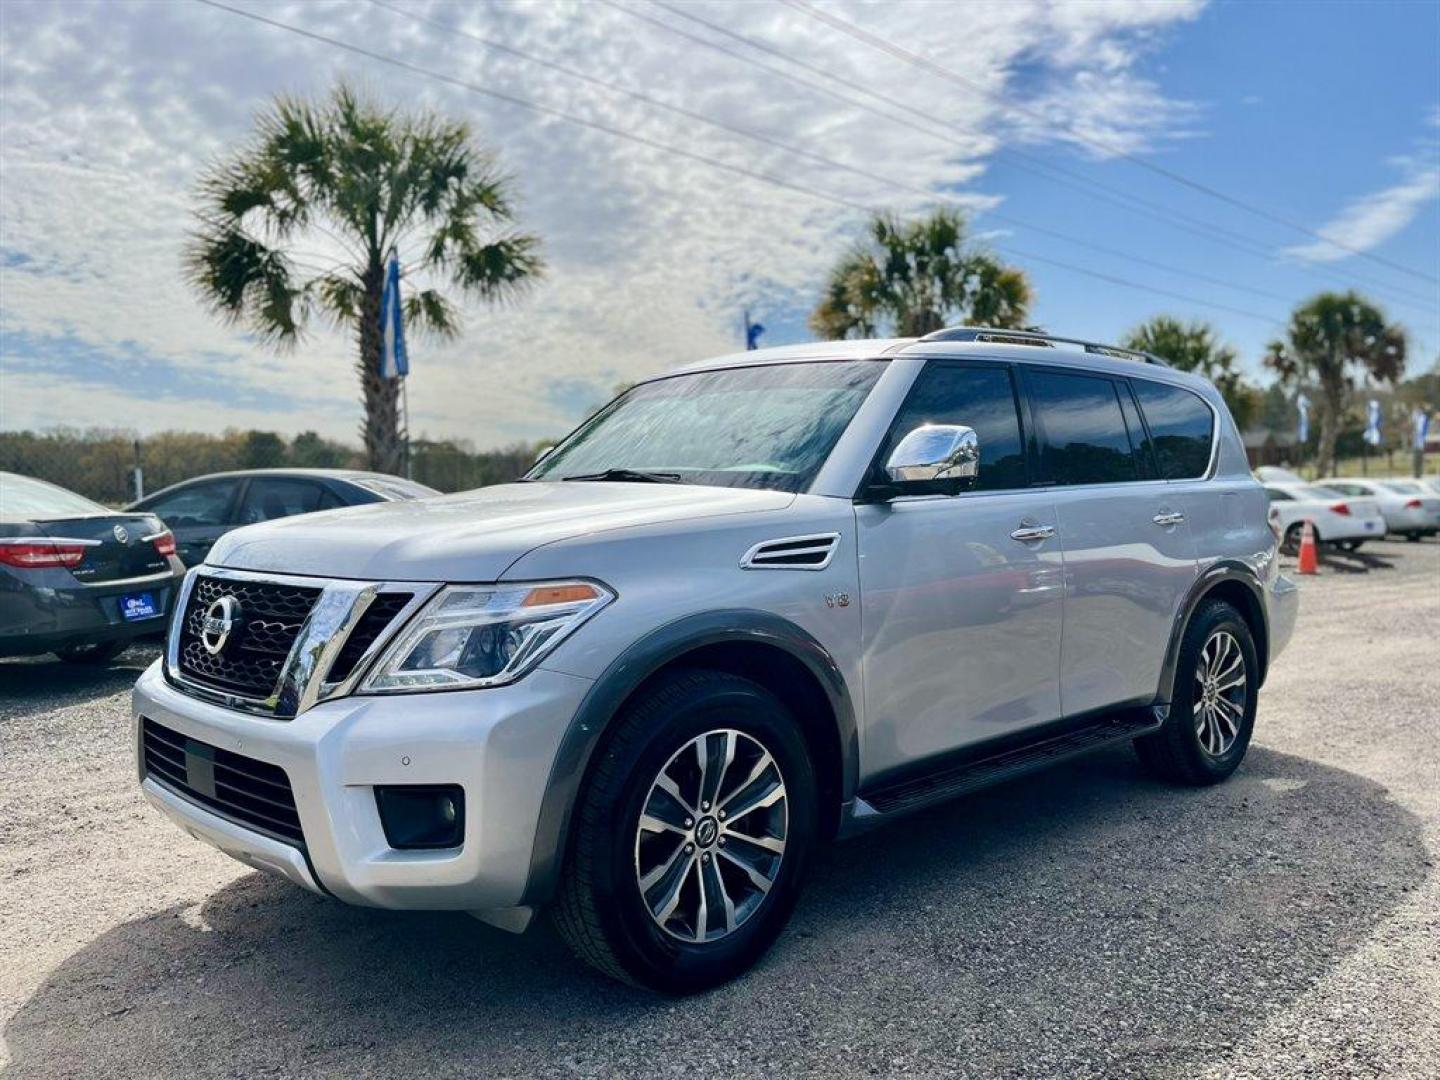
(912, 278)
(1195, 346)
(1332, 339)
(301, 220)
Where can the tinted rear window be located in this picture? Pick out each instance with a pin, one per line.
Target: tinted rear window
(269, 498)
(1083, 438)
(1181, 425)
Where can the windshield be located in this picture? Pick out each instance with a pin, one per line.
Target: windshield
(23, 499)
(761, 427)
(1316, 491)
(1401, 487)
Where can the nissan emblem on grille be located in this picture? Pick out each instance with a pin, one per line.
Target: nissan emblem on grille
(221, 618)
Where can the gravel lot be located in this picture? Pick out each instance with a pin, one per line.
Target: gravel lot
(1086, 922)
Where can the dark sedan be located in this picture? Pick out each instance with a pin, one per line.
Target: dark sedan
(78, 579)
(202, 510)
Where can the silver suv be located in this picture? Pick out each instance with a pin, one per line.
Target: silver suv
(747, 607)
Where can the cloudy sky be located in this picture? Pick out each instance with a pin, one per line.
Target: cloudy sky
(1042, 119)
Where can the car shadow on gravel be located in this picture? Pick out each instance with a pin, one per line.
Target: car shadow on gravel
(39, 684)
(1086, 921)
(1353, 562)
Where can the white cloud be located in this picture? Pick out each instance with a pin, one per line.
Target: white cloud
(1372, 219)
(110, 110)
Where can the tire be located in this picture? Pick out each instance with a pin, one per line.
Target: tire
(99, 652)
(1413, 538)
(1350, 545)
(601, 909)
(1191, 748)
(1293, 534)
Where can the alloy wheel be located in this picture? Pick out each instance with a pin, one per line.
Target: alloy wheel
(1220, 693)
(711, 836)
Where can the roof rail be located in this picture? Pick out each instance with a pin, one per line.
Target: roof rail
(1030, 337)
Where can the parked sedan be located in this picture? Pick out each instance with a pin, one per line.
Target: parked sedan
(1343, 521)
(1410, 510)
(78, 579)
(201, 510)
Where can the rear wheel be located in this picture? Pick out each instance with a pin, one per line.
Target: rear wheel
(1351, 545)
(99, 652)
(1414, 538)
(691, 835)
(1212, 708)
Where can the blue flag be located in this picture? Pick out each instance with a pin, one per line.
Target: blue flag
(1372, 423)
(394, 363)
(1302, 403)
(753, 330)
(1420, 422)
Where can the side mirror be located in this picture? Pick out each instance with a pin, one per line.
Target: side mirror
(541, 455)
(937, 457)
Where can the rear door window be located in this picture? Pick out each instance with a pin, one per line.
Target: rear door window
(1182, 426)
(1083, 435)
(198, 505)
(269, 498)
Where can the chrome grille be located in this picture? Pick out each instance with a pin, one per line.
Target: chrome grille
(250, 664)
(292, 642)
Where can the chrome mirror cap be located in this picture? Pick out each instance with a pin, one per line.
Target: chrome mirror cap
(935, 452)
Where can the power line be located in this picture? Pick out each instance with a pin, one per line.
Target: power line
(801, 151)
(1026, 162)
(514, 99)
(924, 62)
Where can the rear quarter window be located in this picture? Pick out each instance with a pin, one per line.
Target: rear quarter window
(1182, 428)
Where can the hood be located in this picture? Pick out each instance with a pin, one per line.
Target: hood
(472, 536)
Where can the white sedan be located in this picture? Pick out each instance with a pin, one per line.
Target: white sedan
(1338, 520)
(1410, 509)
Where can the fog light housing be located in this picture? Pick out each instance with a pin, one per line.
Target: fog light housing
(422, 815)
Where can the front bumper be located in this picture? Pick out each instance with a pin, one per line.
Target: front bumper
(498, 744)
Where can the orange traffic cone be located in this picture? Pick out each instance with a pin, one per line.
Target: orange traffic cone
(1309, 557)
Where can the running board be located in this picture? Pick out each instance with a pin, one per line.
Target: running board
(971, 776)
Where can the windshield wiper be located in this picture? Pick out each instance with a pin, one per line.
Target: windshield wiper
(637, 476)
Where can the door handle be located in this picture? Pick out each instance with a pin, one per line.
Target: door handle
(1166, 518)
(1030, 532)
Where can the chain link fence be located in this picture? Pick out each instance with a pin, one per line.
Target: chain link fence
(117, 467)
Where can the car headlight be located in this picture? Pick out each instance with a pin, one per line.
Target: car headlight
(484, 635)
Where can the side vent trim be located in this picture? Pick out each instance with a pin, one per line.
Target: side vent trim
(812, 552)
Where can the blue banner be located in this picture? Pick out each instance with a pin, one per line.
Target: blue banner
(1372, 423)
(394, 362)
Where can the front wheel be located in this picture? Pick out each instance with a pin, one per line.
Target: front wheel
(1212, 707)
(691, 835)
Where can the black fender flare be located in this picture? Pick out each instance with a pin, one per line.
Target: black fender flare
(627, 672)
(1221, 571)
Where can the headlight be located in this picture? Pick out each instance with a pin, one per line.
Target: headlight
(484, 635)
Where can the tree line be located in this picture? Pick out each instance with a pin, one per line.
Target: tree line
(100, 463)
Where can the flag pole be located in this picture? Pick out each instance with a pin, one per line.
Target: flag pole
(405, 409)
